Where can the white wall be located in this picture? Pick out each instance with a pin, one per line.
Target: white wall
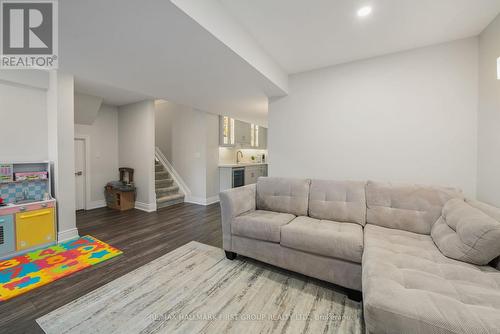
(405, 117)
(191, 137)
(136, 135)
(23, 115)
(488, 186)
(103, 159)
(164, 120)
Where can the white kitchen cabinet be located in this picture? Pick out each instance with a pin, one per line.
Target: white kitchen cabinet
(242, 133)
(225, 178)
(251, 174)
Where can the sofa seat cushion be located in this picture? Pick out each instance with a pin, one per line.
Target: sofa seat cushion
(260, 225)
(324, 237)
(410, 287)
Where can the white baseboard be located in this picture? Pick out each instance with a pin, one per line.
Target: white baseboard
(96, 205)
(67, 235)
(202, 200)
(151, 207)
(212, 200)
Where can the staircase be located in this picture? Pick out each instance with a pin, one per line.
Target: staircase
(167, 192)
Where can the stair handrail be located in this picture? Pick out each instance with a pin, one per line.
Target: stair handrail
(177, 178)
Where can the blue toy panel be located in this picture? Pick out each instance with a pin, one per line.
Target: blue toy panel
(7, 242)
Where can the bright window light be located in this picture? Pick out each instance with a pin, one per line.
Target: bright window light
(364, 11)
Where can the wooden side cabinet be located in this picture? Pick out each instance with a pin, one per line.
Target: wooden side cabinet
(35, 228)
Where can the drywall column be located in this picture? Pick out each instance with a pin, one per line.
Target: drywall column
(60, 115)
(136, 142)
(488, 184)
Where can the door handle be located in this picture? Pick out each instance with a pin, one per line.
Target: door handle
(79, 173)
(38, 214)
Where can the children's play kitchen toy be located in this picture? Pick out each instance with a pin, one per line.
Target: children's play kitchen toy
(27, 210)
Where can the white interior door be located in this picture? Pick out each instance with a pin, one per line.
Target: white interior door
(80, 173)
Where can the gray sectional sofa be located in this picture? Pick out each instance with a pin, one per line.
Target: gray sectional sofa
(422, 256)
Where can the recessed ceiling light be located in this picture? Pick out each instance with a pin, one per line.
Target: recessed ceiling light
(364, 11)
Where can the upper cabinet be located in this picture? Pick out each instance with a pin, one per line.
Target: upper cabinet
(226, 131)
(233, 132)
(242, 133)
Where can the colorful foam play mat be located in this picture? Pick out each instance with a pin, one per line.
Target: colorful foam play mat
(26, 272)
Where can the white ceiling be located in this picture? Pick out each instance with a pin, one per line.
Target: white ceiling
(111, 95)
(154, 49)
(230, 56)
(307, 34)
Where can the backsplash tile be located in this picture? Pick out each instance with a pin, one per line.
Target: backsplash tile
(12, 191)
(227, 155)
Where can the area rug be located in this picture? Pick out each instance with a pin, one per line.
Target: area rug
(194, 289)
(26, 272)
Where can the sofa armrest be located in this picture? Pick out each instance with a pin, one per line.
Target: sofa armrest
(234, 202)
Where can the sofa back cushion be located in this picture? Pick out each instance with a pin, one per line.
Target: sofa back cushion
(467, 234)
(341, 201)
(283, 195)
(408, 207)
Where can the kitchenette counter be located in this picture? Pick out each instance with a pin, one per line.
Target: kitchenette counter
(242, 174)
(242, 164)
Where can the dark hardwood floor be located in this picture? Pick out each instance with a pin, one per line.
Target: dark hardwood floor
(141, 236)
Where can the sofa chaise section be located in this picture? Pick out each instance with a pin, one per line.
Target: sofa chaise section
(409, 286)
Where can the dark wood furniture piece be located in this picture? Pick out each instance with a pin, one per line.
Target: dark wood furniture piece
(121, 195)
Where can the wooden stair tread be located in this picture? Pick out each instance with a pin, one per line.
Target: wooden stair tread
(169, 198)
(163, 189)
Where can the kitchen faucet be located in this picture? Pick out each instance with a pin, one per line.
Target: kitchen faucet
(238, 156)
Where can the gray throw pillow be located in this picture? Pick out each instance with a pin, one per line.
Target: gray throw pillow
(466, 233)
